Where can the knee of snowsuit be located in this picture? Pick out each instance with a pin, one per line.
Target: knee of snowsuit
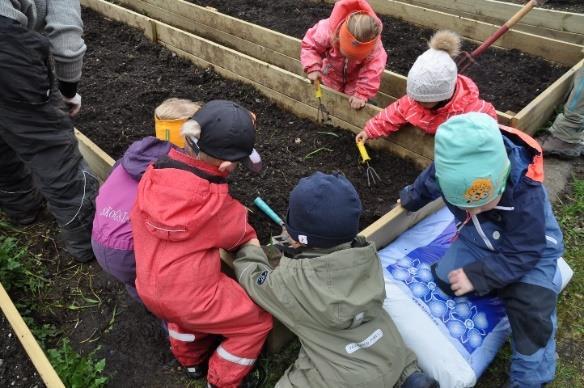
(37, 138)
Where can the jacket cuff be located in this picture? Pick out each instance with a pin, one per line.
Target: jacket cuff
(68, 89)
(475, 273)
(311, 68)
(69, 71)
(409, 201)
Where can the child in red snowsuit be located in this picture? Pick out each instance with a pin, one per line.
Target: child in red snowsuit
(183, 216)
(345, 51)
(435, 92)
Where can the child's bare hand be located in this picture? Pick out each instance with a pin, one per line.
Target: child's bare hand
(361, 136)
(313, 75)
(356, 102)
(459, 282)
(254, 242)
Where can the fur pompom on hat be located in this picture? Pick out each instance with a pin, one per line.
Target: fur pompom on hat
(432, 78)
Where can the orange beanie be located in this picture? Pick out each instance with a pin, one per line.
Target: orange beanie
(350, 46)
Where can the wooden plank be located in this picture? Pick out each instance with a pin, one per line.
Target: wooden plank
(534, 116)
(100, 162)
(488, 17)
(29, 343)
(500, 12)
(554, 50)
(395, 222)
(118, 14)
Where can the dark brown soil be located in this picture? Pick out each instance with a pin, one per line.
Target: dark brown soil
(125, 77)
(559, 5)
(509, 79)
(16, 369)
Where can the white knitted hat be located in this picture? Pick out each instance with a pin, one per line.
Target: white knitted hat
(432, 78)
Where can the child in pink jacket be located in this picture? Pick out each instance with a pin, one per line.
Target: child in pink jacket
(345, 51)
(435, 92)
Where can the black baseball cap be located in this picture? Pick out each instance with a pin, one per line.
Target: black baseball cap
(227, 130)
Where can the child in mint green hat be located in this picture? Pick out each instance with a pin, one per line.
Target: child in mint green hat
(508, 240)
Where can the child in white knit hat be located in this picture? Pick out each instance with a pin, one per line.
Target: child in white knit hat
(435, 92)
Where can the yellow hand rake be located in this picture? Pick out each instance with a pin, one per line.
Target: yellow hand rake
(372, 176)
(322, 114)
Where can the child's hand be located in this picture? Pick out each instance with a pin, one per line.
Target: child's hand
(459, 282)
(361, 136)
(254, 242)
(313, 76)
(356, 102)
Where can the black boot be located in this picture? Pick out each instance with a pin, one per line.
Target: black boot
(197, 372)
(420, 380)
(255, 379)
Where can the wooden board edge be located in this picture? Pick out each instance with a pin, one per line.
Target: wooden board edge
(532, 117)
(555, 20)
(395, 222)
(97, 159)
(29, 343)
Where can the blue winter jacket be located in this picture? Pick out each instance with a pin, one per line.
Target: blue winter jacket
(520, 238)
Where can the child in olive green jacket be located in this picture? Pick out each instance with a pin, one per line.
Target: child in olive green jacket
(328, 290)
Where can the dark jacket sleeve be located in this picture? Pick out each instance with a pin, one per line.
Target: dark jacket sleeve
(424, 190)
(523, 242)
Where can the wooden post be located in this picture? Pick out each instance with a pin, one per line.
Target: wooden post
(32, 348)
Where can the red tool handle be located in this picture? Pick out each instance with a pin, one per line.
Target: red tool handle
(503, 29)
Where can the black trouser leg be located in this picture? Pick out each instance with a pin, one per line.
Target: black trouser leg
(41, 135)
(19, 199)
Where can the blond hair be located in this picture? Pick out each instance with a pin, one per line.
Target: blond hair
(363, 27)
(176, 108)
(446, 40)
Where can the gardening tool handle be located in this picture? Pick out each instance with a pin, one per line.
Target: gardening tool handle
(317, 89)
(466, 62)
(363, 151)
(268, 210)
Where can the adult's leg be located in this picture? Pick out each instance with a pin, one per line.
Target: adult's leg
(567, 131)
(41, 135)
(18, 198)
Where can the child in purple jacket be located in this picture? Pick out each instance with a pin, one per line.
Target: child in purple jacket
(111, 238)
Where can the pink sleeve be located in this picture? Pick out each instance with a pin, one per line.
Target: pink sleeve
(388, 120)
(370, 74)
(314, 46)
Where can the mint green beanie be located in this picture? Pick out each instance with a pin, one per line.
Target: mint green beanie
(471, 161)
